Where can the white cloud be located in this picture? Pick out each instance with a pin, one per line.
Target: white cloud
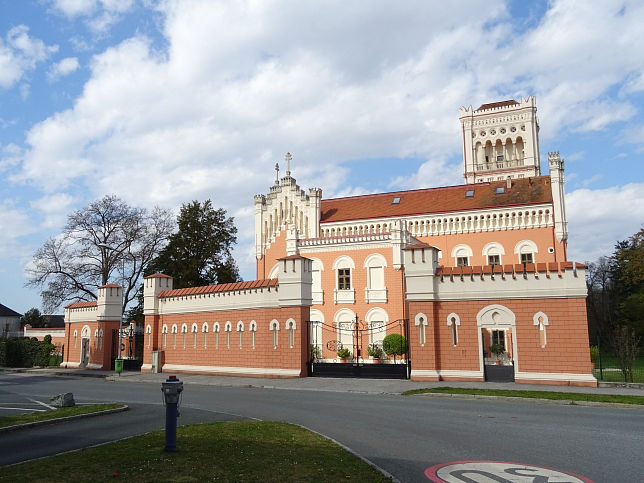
(19, 54)
(597, 219)
(14, 224)
(99, 15)
(54, 208)
(63, 68)
(241, 83)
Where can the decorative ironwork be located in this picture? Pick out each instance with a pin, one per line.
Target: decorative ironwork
(332, 345)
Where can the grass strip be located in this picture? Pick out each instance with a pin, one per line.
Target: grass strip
(224, 451)
(567, 396)
(54, 414)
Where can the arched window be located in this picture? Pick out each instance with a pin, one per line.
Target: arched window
(317, 319)
(290, 328)
(377, 320)
(75, 338)
(344, 292)
(100, 338)
(420, 321)
(274, 327)
(345, 320)
(204, 330)
(253, 328)
(462, 255)
(228, 328)
(184, 334)
(541, 321)
(453, 321)
(526, 251)
(493, 253)
(240, 332)
(194, 335)
(164, 332)
(175, 329)
(215, 329)
(316, 287)
(148, 334)
(375, 291)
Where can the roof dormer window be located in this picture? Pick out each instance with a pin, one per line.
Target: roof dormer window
(396, 200)
(469, 194)
(500, 190)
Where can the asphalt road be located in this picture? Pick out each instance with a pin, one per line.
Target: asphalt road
(403, 435)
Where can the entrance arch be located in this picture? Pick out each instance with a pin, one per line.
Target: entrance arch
(497, 325)
(84, 354)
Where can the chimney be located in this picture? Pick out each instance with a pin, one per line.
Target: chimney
(508, 183)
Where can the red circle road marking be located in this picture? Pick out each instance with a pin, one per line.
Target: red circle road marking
(499, 471)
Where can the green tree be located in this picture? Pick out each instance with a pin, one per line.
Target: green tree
(199, 253)
(33, 317)
(394, 345)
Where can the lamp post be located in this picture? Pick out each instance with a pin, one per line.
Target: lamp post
(104, 248)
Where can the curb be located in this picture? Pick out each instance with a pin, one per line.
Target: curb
(18, 427)
(558, 402)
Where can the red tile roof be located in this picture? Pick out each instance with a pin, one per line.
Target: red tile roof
(158, 275)
(110, 285)
(80, 305)
(222, 287)
(492, 105)
(524, 191)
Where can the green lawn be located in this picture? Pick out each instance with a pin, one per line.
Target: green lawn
(226, 451)
(565, 396)
(612, 373)
(54, 414)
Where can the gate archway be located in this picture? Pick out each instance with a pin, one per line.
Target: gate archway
(361, 339)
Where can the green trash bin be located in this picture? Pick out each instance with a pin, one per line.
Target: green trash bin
(118, 365)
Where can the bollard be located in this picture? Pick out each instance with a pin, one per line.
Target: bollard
(172, 389)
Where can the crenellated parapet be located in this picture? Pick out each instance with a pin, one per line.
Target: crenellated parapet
(107, 306)
(286, 205)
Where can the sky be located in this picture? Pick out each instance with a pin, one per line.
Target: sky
(164, 102)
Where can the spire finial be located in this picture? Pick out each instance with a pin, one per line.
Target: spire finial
(277, 173)
(288, 158)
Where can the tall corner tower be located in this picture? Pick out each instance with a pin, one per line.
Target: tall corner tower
(501, 140)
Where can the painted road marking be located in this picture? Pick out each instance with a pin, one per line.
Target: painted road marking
(500, 472)
(41, 403)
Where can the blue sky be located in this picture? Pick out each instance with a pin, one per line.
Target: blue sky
(164, 102)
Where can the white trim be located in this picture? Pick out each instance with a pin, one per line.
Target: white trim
(316, 315)
(264, 371)
(337, 317)
(455, 317)
(526, 244)
(70, 365)
(495, 247)
(146, 367)
(164, 329)
(204, 327)
(252, 326)
(424, 373)
(290, 324)
(462, 247)
(274, 271)
(317, 264)
(554, 376)
(418, 317)
(240, 326)
(375, 312)
(228, 326)
(274, 325)
(184, 328)
(344, 261)
(194, 328)
(375, 260)
(535, 319)
(92, 365)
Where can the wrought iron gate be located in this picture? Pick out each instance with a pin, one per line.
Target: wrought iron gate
(362, 340)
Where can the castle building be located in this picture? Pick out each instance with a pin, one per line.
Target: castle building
(475, 277)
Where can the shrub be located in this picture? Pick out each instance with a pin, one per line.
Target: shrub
(395, 345)
(25, 352)
(375, 351)
(316, 353)
(344, 353)
(594, 354)
(497, 349)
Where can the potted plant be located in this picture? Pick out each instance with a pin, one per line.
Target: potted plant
(376, 352)
(343, 354)
(316, 352)
(498, 350)
(395, 345)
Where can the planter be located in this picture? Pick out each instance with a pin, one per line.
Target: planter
(376, 361)
(343, 361)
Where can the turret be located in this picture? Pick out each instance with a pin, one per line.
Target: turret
(295, 277)
(110, 302)
(556, 165)
(153, 285)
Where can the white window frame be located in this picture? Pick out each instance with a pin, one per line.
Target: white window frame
(373, 294)
(453, 322)
(344, 296)
(462, 251)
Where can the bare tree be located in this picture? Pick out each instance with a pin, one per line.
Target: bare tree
(107, 241)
